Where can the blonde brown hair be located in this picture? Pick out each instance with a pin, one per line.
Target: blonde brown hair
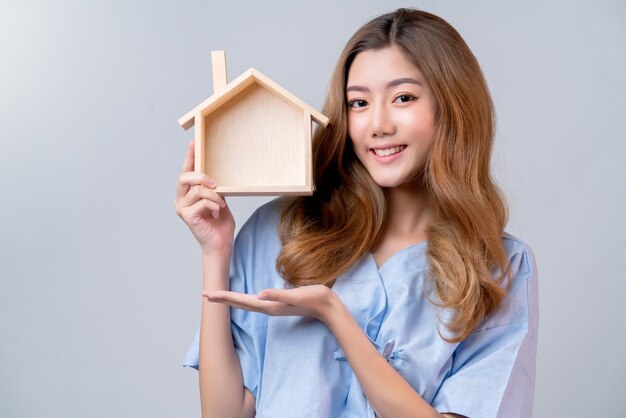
(325, 234)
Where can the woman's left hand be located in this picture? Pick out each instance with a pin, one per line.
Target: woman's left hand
(316, 301)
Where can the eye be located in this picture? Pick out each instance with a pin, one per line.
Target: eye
(357, 103)
(404, 98)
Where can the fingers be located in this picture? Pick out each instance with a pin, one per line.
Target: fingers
(194, 178)
(197, 192)
(246, 301)
(229, 296)
(199, 208)
(195, 195)
(189, 179)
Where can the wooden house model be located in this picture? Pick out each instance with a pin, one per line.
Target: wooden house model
(252, 136)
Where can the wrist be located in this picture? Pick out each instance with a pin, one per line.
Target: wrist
(220, 252)
(334, 311)
(216, 266)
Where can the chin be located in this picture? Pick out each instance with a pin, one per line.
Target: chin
(389, 182)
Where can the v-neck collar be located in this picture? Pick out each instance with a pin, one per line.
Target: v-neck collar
(399, 259)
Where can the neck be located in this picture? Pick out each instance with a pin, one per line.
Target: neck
(409, 212)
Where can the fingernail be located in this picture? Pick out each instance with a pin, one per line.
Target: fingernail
(211, 182)
(223, 204)
(216, 214)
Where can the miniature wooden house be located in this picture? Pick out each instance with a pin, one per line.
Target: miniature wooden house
(252, 136)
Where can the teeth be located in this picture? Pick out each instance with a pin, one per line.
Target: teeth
(389, 151)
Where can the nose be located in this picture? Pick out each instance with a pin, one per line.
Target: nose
(381, 122)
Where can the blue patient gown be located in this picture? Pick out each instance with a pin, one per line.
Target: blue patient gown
(296, 369)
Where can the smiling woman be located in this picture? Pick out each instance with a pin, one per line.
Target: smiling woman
(394, 290)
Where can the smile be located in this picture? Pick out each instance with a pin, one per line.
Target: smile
(385, 152)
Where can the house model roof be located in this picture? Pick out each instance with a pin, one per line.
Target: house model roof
(238, 85)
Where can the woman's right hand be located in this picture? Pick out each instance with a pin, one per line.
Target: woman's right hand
(204, 211)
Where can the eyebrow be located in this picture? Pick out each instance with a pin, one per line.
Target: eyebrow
(392, 83)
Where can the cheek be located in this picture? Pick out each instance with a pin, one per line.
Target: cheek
(356, 128)
(419, 127)
(429, 135)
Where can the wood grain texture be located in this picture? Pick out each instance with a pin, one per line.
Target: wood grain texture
(199, 144)
(318, 117)
(220, 77)
(256, 144)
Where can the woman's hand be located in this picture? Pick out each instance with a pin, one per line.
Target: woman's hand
(316, 301)
(204, 211)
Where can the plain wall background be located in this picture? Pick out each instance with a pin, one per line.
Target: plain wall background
(100, 281)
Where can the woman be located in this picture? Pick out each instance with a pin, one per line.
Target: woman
(393, 291)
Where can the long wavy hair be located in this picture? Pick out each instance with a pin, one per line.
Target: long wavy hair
(323, 235)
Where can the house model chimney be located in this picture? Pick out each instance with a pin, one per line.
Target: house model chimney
(220, 79)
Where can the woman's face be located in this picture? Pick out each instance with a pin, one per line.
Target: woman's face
(390, 115)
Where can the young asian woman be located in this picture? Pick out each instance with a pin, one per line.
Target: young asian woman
(394, 290)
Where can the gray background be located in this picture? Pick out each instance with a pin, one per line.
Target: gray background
(100, 281)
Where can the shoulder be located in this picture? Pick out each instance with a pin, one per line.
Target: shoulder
(520, 305)
(516, 246)
(499, 358)
(522, 262)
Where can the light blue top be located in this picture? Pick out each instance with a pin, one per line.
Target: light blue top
(295, 367)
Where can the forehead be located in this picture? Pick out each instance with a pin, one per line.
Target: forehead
(375, 66)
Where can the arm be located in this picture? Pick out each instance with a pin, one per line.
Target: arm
(222, 393)
(387, 391)
(493, 371)
(221, 381)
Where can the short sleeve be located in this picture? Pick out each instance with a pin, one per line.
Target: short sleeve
(248, 328)
(493, 370)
